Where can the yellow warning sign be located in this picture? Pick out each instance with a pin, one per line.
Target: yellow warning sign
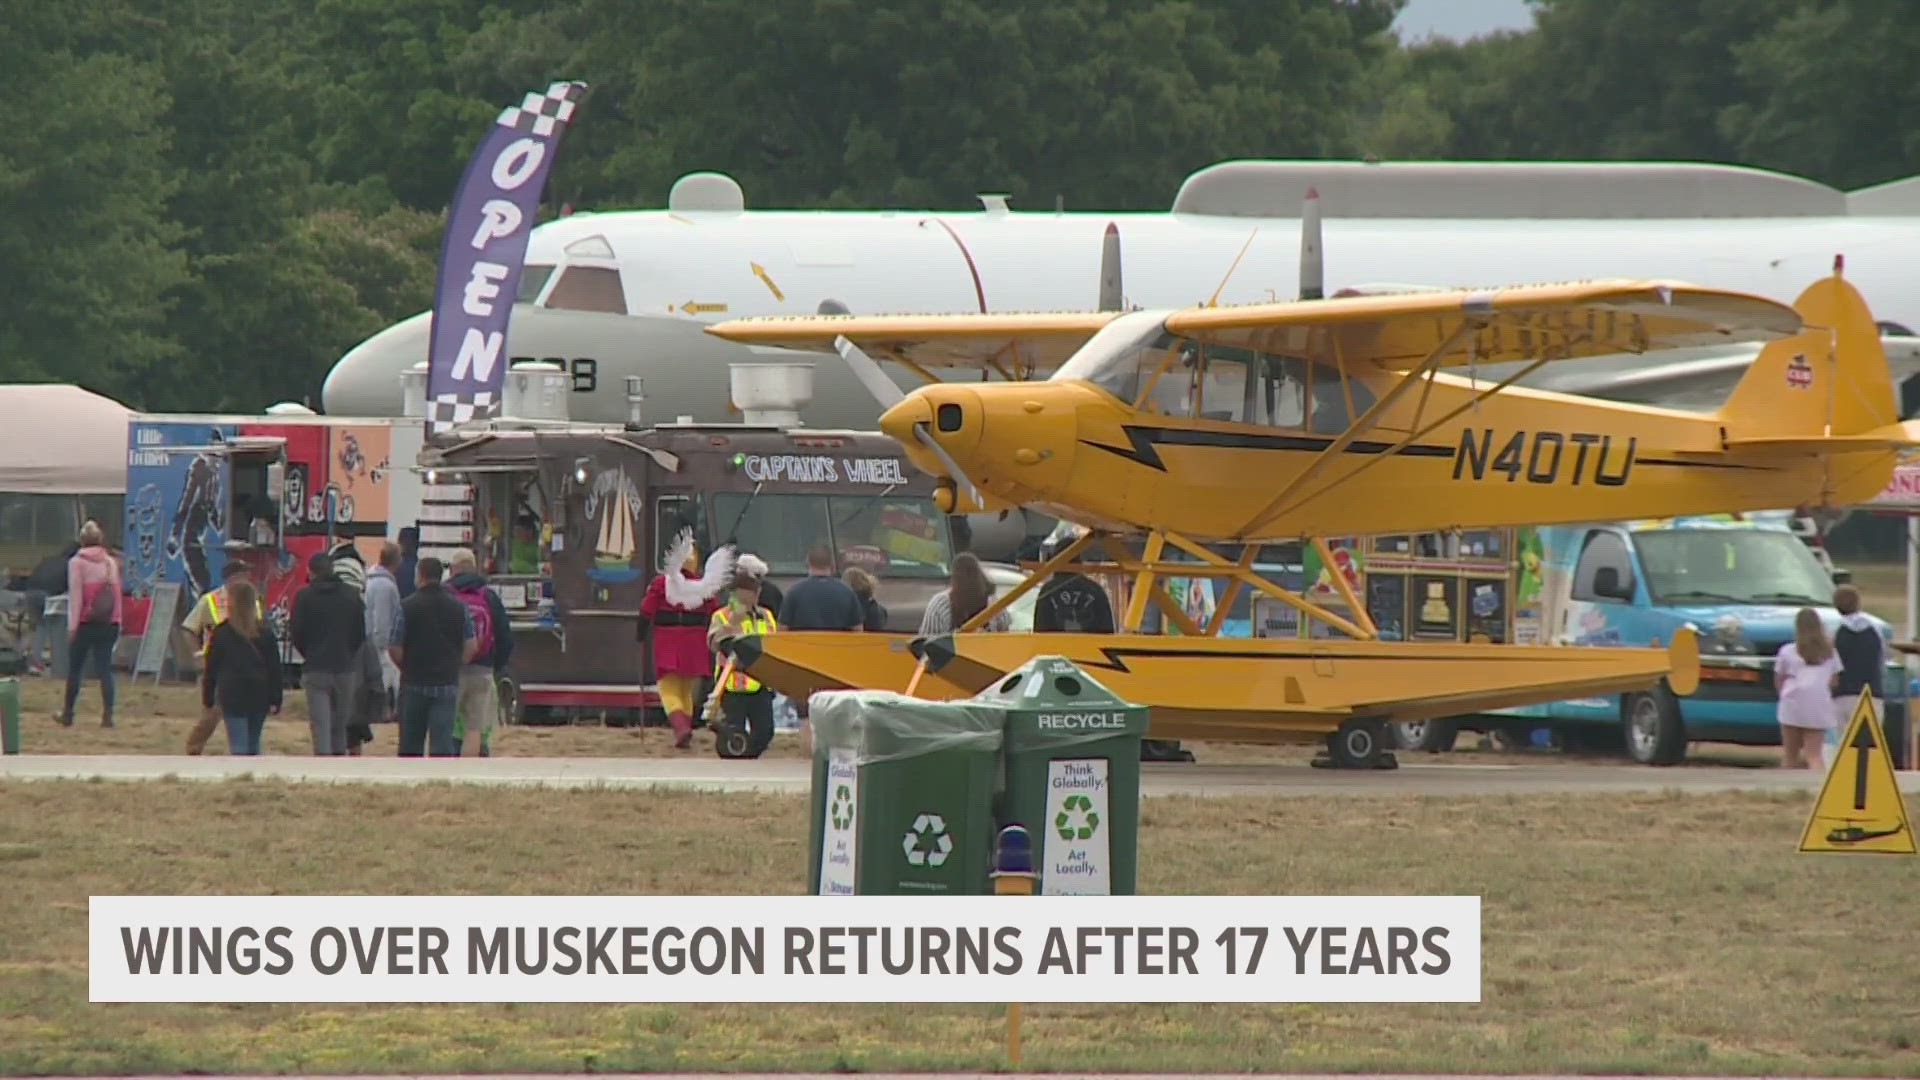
(1860, 808)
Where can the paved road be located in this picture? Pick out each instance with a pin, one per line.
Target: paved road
(792, 775)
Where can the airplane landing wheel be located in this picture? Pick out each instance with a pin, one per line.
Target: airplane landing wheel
(1434, 736)
(729, 741)
(1359, 744)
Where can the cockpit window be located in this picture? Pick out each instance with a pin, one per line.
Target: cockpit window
(1181, 377)
(589, 288)
(1121, 356)
(533, 278)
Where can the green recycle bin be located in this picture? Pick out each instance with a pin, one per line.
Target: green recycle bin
(1072, 775)
(10, 716)
(902, 796)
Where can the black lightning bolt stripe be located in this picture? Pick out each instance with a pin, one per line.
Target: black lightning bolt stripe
(1144, 442)
(1671, 464)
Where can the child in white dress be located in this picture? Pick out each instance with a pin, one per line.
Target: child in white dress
(1804, 673)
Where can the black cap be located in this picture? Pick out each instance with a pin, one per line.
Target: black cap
(319, 563)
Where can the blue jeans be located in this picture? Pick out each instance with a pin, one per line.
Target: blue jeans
(91, 640)
(243, 734)
(426, 720)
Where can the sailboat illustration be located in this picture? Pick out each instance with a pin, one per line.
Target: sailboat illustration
(613, 552)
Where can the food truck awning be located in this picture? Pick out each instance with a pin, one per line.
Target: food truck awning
(57, 439)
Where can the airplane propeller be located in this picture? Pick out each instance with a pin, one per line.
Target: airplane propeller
(868, 371)
(953, 468)
(888, 394)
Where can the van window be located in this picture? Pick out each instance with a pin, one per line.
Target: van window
(1603, 549)
(1743, 566)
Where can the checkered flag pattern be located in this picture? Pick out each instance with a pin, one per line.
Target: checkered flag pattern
(541, 113)
(453, 409)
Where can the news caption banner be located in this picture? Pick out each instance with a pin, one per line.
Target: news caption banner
(876, 949)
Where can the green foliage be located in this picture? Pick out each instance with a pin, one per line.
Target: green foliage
(231, 193)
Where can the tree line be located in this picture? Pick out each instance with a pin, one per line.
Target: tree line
(207, 201)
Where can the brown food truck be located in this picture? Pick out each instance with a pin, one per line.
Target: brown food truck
(573, 520)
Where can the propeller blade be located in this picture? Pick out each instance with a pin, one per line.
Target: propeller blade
(946, 459)
(868, 371)
(1111, 297)
(1313, 268)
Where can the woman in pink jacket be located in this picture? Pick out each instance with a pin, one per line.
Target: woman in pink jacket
(94, 608)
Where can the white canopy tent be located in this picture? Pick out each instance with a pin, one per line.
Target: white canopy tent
(63, 459)
(57, 439)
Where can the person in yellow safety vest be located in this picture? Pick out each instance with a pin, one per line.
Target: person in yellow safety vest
(206, 616)
(744, 701)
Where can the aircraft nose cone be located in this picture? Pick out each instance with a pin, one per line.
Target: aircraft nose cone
(899, 420)
(367, 381)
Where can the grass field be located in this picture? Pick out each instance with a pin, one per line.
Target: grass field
(1621, 934)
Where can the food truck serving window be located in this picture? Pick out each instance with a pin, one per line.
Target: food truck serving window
(512, 511)
(890, 536)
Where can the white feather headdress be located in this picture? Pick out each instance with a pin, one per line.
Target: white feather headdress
(690, 593)
(752, 564)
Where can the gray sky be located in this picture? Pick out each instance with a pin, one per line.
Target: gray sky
(1461, 19)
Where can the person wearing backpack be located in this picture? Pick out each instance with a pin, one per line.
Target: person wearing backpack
(479, 703)
(94, 610)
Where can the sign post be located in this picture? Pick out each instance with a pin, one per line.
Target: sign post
(1860, 808)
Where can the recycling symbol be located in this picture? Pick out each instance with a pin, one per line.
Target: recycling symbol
(842, 808)
(927, 843)
(1076, 808)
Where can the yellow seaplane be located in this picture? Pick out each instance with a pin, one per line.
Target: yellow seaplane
(1184, 440)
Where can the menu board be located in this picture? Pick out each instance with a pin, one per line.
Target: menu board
(1487, 609)
(1387, 605)
(1434, 607)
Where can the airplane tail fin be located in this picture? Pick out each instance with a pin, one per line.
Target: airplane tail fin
(1830, 380)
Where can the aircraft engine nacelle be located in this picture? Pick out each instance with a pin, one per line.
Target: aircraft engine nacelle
(991, 536)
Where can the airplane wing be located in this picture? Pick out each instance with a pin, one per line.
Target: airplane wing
(1397, 331)
(1041, 341)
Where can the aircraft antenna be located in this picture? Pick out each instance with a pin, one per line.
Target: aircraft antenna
(1312, 265)
(1214, 300)
(1112, 296)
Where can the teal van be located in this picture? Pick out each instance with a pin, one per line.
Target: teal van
(1738, 580)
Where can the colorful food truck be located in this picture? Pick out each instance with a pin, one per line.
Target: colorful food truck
(272, 490)
(574, 519)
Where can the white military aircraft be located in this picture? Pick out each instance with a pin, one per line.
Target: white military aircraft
(629, 293)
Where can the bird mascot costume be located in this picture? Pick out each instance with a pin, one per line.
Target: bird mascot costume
(680, 601)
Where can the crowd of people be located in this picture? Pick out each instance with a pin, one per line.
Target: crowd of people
(424, 645)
